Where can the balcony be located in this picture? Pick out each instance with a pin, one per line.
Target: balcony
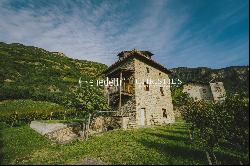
(127, 89)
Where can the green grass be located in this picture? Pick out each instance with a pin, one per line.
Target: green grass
(158, 145)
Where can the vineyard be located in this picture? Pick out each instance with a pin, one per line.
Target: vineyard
(212, 125)
(14, 112)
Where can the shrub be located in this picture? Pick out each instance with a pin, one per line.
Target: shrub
(214, 123)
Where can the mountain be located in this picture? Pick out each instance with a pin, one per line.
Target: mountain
(31, 72)
(235, 78)
(34, 73)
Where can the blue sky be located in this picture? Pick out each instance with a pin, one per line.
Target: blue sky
(190, 33)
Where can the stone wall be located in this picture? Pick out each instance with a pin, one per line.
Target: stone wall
(211, 91)
(66, 132)
(99, 125)
(57, 132)
(152, 101)
(198, 91)
(218, 91)
(63, 135)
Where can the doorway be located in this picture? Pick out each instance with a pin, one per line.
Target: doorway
(142, 116)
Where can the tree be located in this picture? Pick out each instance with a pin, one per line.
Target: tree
(179, 98)
(88, 101)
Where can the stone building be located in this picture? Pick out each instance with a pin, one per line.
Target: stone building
(218, 91)
(143, 96)
(205, 91)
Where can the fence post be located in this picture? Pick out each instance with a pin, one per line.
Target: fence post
(87, 127)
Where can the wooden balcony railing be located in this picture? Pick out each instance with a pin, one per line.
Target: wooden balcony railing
(127, 88)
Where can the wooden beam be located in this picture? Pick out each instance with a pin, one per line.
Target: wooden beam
(120, 92)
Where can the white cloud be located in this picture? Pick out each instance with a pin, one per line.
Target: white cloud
(94, 32)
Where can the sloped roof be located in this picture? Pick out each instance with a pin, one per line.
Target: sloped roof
(146, 53)
(140, 57)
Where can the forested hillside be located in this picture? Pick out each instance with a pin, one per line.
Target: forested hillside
(235, 78)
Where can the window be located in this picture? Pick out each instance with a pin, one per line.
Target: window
(146, 86)
(164, 111)
(147, 69)
(217, 89)
(204, 90)
(159, 74)
(162, 91)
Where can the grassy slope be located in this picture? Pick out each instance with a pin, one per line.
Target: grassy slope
(30, 72)
(159, 145)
